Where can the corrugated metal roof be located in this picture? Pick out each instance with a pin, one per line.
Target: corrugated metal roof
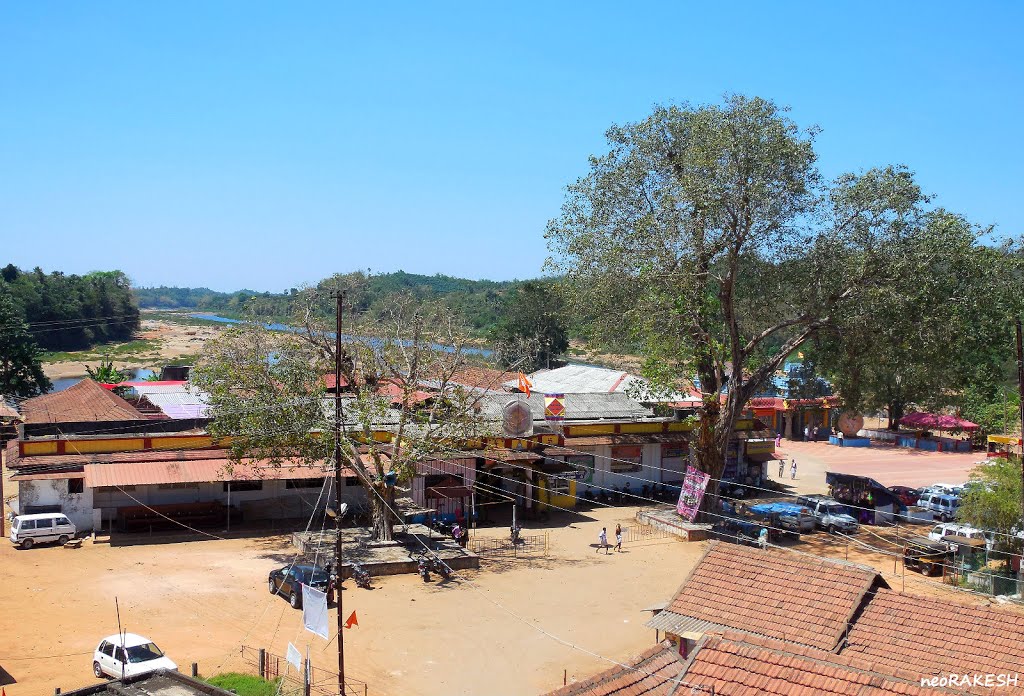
(44, 475)
(677, 624)
(83, 402)
(577, 406)
(590, 379)
(195, 471)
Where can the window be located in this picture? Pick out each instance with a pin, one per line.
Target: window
(237, 486)
(176, 486)
(119, 654)
(558, 486)
(76, 485)
(107, 649)
(114, 489)
(26, 524)
(626, 458)
(63, 520)
(44, 524)
(303, 483)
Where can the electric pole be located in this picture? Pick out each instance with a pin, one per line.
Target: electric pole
(339, 481)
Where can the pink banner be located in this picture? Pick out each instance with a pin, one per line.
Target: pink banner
(692, 493)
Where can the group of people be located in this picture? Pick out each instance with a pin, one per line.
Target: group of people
(602, 540)
(792, 468)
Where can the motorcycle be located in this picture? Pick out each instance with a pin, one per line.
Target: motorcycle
(361, 576)
(602, 497)
(514, 534)
(440, 567)
(423, 568)
(442, 527)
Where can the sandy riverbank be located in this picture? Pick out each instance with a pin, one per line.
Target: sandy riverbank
(171, 342)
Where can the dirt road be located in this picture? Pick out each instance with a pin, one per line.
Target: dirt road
(507, 632)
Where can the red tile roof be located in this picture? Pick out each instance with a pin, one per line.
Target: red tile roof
(83, 402)
(482, 378)
(933, 636)
(740, 664)
(781, 595)
(653, 673)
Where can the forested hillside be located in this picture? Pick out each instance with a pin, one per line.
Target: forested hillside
(71, 312)
(477, 301)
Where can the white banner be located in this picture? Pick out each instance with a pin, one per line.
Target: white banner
(294, 657)
(314, 611)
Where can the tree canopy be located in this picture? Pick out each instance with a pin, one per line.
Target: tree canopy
(21, 373)
(268, 391)
(707, 236)
(71, 312)
(533, 329)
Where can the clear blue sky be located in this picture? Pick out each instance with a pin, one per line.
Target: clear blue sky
(263, 145)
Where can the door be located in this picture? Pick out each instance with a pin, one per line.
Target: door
(44, 530)
(120, 663)
(106, 658)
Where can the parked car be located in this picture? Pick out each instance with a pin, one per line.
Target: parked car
(29, 530)
(906, 495)
(288, 582)
(128, 655)
(945, 489)
(941, 505)
(958, 531)
(791, 517)
(829, 514)
(926, 556)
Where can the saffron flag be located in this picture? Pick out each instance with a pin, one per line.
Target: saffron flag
(554, 407)
(692, 493)
(351, 621)
(294, 657)
(525, 384)
(314, 611)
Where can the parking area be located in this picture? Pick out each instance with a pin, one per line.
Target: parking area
(889, 465)
(504, 633)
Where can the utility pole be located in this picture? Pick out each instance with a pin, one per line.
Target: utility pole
(1020, 388)
(338, 482)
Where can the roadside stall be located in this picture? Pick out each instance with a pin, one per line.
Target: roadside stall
(869, 501)
(921, 424)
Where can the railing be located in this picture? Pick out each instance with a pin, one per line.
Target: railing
(323, 682)
(525, 545)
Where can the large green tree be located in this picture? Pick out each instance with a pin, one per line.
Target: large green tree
(994, 501)
(533, 329)
(938, 333)
(707, 235)
(21, 373)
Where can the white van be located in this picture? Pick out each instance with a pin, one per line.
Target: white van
(29, 530)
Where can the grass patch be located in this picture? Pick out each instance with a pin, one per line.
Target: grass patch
(245, 684)
(137, 348)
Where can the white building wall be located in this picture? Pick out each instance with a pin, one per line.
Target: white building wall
(77, 506)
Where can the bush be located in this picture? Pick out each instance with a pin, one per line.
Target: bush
(245, 684)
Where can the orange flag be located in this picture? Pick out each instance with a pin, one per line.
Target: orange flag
(352, 621)
(524, 384)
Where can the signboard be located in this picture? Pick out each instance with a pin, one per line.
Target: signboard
(692, 493)
(554, 407)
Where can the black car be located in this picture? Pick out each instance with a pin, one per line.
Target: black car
(288, 582)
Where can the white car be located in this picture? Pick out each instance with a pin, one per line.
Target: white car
(128, 655)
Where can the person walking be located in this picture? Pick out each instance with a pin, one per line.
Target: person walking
(778, 440)
(792, 470)
(782, 468)
(618, 537)
(602, 541)
(807, 433)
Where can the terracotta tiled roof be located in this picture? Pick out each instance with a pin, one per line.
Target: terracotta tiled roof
(933, 636)
(654, 673)
(8, 411)
(740, 664)
(482, 378)
(84, 402)
(777, 594)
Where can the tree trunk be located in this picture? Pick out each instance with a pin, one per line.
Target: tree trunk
(895, 410)
(382, 520)
(710, 458)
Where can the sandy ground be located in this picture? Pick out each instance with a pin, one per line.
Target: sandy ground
(174, 341)
(503, 633)
(889, 465)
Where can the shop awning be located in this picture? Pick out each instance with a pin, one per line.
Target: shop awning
(44, 475)
(762, 456)
(439, 492)
(195, 471)
(630, 439)
(935, 421)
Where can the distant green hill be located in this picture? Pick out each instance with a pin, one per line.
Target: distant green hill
(477, 301)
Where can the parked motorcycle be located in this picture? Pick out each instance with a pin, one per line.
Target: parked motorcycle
(440, 567)
(361, 576)
(423, 568)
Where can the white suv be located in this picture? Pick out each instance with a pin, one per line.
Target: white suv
(128, 655)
